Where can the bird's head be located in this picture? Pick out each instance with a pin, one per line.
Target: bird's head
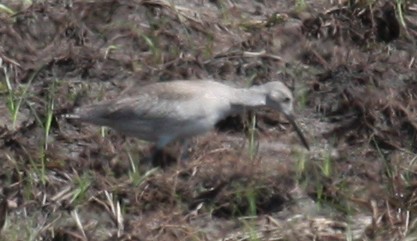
(280, 98)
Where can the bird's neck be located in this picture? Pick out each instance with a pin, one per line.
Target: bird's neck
(249, 98)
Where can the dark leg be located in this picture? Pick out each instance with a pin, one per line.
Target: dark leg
(159, 158)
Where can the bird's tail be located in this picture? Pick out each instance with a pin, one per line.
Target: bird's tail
(95, 114)
(71, 116)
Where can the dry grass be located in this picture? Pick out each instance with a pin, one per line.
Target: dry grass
(353, 71)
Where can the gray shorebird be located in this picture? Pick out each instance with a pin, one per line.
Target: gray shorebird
(164, 112)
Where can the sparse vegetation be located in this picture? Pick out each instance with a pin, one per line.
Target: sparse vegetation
(6, 9)
(351, 65)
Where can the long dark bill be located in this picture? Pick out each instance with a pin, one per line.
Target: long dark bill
(297, 129)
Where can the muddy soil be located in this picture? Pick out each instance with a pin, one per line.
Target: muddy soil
(351, 66)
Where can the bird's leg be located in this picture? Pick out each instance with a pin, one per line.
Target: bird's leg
(161, 158)
(157, 155)
(183, 156)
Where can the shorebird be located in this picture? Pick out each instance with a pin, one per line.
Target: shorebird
(164, 112)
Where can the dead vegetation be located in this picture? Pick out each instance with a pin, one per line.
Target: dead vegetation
(351, 65)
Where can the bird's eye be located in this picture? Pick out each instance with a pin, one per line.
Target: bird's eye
(287, 100)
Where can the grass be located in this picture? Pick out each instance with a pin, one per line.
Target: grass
(253, 143)
(252, 132)
(251, 196)
(76, 218)
(300, 166)
(13, 102)
(45, 124)
(300, 5)
(251, 230)
(26, 229)
(109, 49)
(49, 112)
(104, 131)
(17, 95)
(302, 98)
(326, 166)
(142, 196)
(81, 184)
(156, 51)
(116, 212)
(400, 6)
(135, 176)
(6, 9)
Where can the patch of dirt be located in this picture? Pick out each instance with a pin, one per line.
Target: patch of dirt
(350, 64)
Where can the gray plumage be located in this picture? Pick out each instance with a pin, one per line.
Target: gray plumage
(167, 111)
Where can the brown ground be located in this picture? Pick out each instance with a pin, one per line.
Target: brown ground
(353, 71)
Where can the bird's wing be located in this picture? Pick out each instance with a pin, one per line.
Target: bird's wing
(148, 104)
(177, 102)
